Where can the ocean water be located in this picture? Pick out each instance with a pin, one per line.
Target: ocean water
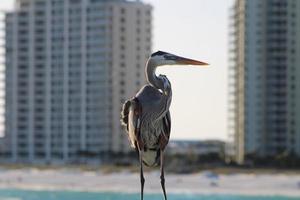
(12, 194)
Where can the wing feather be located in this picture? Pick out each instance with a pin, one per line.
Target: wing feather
(166, 130)
(125, 113)
(131, 118)
(168, 124)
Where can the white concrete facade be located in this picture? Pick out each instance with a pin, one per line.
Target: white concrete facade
(264, 78)
(69, 66)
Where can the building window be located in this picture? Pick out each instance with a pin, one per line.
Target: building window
(122, 29)
(122, 74)
(148, 12)
(123, 10)
(138, 12)
(122, 82)
(75, 1)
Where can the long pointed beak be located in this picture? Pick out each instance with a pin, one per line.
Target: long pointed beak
(187, 61)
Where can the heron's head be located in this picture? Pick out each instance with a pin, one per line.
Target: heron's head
(161, 58)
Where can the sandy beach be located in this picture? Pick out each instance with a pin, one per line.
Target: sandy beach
(125, 181)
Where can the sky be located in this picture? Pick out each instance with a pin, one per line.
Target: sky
(195, 29)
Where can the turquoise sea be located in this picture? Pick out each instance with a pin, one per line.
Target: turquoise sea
(12, 194)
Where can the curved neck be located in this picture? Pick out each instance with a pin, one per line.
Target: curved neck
(156, 82)
(151, 76)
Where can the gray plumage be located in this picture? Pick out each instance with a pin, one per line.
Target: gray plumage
(155, 120)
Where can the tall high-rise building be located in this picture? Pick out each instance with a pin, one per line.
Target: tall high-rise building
(69, 66)
(264, 78)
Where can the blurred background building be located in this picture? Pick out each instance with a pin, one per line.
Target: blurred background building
(69, 66)
(187, 147)
(264, 78)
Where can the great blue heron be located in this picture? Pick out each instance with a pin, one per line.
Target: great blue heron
(147, 116)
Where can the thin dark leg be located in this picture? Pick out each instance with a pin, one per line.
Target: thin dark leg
(162, 174)
(142, 176)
